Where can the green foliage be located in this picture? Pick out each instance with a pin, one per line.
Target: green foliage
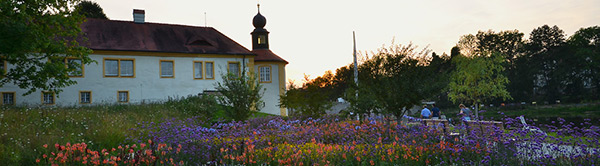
(478, 79)
(397, 77)
(90, 9)
(310, 100)
(203, 106)
(241, 95)
(585, 48)
(37, 36)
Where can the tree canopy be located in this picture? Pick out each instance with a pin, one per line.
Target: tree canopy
(38, 37)
(478, 79)
(90, 9)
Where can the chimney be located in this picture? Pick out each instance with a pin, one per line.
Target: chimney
(138, 16)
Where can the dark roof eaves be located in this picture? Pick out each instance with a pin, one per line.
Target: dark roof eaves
(272, 60)
(176, 52)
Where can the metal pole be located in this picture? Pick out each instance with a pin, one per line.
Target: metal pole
(355, 70)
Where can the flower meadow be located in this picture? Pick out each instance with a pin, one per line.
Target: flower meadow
(159, 135)
(334, 140)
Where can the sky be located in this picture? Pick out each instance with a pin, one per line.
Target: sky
(315, 35)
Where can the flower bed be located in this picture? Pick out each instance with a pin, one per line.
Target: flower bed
(334, 141)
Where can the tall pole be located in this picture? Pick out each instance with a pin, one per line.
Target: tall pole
(355, 69)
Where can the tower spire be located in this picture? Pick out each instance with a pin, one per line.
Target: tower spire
(260, 36)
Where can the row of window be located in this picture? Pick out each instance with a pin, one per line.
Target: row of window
(49, 98)
(69, 63)
(114, 67)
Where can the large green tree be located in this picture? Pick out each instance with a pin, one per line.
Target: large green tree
(35, 39)
(545, 51)
(585, 47)
(509, 44)
(90, 9)
(478, 79)
(397, 78)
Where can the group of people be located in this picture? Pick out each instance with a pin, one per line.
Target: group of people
(435, 112)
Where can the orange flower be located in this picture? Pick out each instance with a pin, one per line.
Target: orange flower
(45, 145)
(37, 160)
(358, 158)
(372, 163)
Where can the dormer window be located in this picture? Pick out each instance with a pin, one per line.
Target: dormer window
(200, 43)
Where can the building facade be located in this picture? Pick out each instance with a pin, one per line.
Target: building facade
(139, 62)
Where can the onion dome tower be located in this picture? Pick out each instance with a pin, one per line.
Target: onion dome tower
(260, 36)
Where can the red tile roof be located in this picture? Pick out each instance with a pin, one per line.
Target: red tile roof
(116, 35)
(265, 55)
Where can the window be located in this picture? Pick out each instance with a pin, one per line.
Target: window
(265, 74)
(8, 98)
(210, 70)
(85, 97)
(126, 68)
(233, 68)
(123, 96)
(262, 39)
(197, 70)
(76, 72)
(167, 69)
(119, 68)
(48, 98)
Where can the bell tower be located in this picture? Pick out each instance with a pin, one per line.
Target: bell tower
(260, 36)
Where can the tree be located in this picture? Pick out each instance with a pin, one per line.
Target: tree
(545, 51)
(477, 79)
(468, 45)
(396, 77)
(240, 94)
(90, 9)
(508, 43)
(310, 100)
(38, 36)
(585, 47)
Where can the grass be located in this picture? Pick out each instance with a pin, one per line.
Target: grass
(591, 111)
(23, 130)
(566, 111)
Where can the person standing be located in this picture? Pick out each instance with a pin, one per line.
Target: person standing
(425, 113)
(465, 112)
(435, 112)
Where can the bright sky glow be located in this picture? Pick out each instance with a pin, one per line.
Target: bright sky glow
(316, 36)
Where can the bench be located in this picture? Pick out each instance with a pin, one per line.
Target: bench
(484, 128)
(439, 124)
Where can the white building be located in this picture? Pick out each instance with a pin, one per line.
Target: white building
(140, 62)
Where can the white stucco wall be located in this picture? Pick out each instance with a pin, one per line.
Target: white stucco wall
(147, 85)
(273, 88)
